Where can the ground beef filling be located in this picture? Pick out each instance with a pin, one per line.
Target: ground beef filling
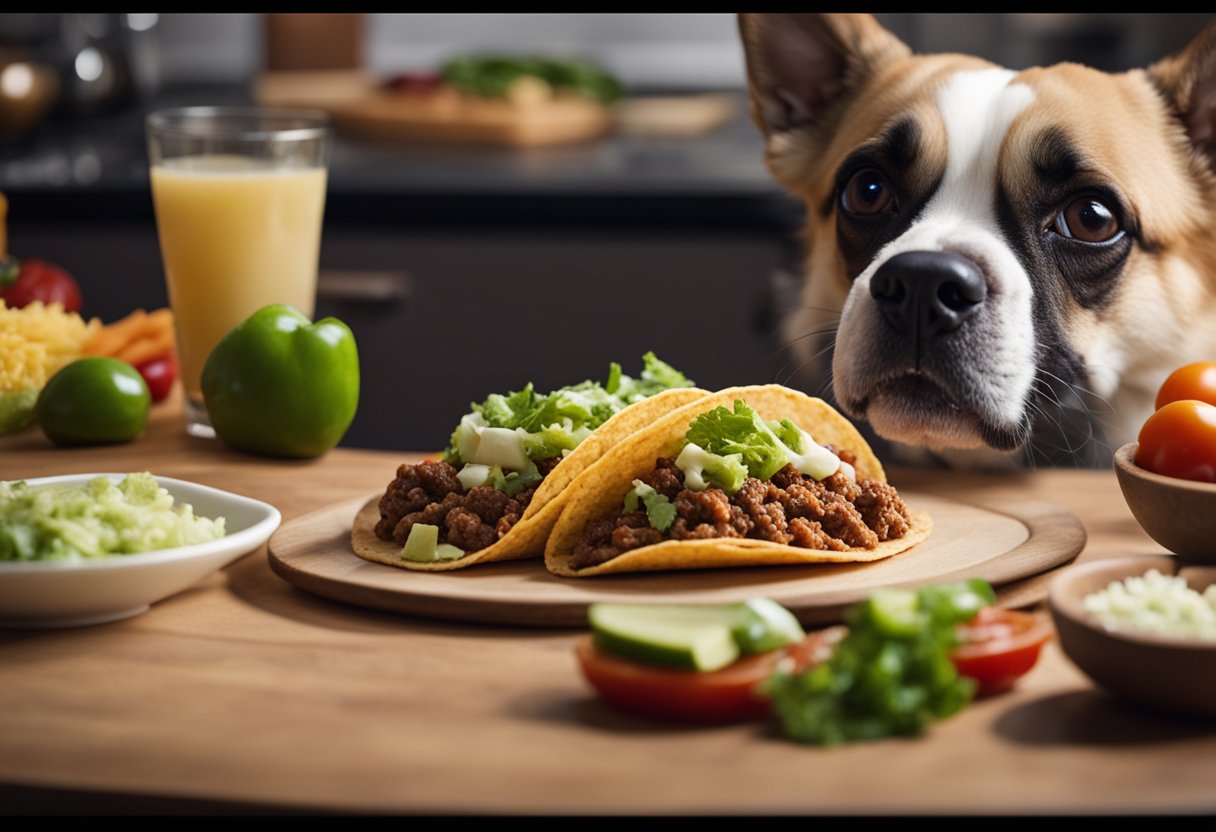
(431, 493)
(791, 508)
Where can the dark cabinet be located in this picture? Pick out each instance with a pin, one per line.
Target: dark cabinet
(444, 317)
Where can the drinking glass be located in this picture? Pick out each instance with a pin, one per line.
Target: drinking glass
(239, 194)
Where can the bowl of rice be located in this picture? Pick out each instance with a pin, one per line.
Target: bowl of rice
(1143, 628)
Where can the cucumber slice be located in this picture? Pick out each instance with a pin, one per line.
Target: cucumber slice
(420, 545)
(423, 546)
(687, 638)
(895, 612)
(765, 625)
(446, 551)
(702, 637)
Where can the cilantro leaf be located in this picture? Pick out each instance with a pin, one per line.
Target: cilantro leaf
(740, 431)
(883, 680)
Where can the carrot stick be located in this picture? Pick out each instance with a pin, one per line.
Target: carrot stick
(111, 338)
(137, 352)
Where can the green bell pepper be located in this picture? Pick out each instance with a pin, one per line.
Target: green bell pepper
(279, 385)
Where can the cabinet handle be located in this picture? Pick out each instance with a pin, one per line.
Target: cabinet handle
(357, 286)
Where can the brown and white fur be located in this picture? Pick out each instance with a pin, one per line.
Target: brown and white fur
(1035, 346)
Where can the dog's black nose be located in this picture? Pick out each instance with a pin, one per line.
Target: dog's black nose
(928, 293)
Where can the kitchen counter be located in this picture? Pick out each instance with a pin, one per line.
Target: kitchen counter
(246, 694)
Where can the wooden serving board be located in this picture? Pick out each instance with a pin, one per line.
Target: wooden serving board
(1015, 546)
(358, 106)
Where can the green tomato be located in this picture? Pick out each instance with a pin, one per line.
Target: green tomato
(279, 385)
(93, 401)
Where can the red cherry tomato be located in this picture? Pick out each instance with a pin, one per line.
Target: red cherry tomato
(1194, 381)
(999, 647)
(1179, 440)
(721, 696)
(159, 373)
(40, 280)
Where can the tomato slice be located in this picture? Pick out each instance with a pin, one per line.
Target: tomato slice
(999, 647)
(718, 697)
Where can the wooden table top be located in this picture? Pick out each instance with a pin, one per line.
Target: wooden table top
(244, 692)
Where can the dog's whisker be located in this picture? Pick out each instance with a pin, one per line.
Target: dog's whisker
(1082, 391)
(812, 334)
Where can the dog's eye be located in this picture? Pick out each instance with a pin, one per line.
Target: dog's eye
(1088, 220)
(867, 192)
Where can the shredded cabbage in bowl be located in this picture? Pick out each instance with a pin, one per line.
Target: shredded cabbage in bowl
(97, 519)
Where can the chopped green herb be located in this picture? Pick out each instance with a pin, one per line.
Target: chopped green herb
(891, 675)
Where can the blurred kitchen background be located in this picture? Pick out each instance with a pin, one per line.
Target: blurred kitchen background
(469, 269)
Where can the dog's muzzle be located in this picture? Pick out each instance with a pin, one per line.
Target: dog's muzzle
(925, 294)
(933, 350)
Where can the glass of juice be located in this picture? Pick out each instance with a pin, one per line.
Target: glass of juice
(239, 194)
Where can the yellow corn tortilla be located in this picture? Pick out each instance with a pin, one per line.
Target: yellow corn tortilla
(600, 489)
(526, 539)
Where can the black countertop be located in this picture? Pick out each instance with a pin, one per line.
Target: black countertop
(97, 169)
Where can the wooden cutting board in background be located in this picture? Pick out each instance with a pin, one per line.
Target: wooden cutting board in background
(360, 107)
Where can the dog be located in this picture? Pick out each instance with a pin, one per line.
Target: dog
(1004, 265)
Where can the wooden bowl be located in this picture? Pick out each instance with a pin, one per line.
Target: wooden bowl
(1179, 514)
(1163, 673)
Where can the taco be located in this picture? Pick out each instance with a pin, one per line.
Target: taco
(747, 476)
(499, 487)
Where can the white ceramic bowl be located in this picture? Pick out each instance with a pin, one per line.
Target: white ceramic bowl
(92, 591)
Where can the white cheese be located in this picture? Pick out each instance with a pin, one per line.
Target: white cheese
(815, 460)
(1156, 603)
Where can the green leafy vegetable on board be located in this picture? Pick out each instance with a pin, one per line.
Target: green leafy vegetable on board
(892, 675)
(492, 76)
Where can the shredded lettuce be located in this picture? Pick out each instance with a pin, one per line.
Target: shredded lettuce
(741, 431)
(659, 510)
(765, 447)
(788, 433)
(554, 440)
(557, 422)
(703, 469)
(513, 482)
(97, 519)
(614, 378)
(657, 376)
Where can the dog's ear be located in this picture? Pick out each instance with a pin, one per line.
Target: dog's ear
(800, 65)
(1187, 79)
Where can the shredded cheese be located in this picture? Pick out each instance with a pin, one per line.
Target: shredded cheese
(36, 341)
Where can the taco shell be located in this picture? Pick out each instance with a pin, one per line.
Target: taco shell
(599, 490)
(526, 539)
